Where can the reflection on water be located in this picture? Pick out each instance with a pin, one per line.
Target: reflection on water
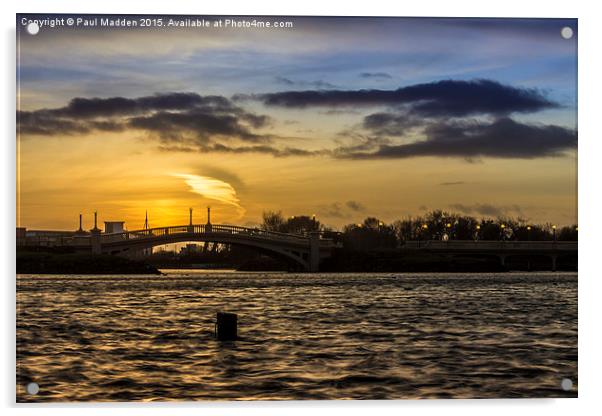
(320, 336)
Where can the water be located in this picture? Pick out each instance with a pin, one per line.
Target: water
(320, 336)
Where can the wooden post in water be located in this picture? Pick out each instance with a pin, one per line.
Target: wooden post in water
(226, 326)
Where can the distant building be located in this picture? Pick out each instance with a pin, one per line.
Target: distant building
(190, 249)
(114, 227)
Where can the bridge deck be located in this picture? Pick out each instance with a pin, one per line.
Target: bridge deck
(491, 246)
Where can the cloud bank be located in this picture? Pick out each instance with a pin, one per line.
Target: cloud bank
(450, 118)
(442, 98)
(502, 138)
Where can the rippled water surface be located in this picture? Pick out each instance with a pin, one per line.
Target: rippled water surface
(318, 336)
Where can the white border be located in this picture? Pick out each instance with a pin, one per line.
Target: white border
(589, 197)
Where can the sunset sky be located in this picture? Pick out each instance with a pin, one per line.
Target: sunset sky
(339, 117)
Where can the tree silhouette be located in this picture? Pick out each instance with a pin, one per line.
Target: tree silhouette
(296, 224)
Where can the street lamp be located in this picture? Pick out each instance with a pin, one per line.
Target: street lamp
(502, 227)
(424, 227)
(478, 227)
(528, 233)
(554, 231)
(445, 233)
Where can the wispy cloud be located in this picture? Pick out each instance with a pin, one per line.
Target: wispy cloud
(342, 210)
(314, 84)
(487, 209)
(355, 205)
(452, 183)
(212, 188)
(376, 75)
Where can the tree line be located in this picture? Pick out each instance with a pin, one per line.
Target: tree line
(434, 225)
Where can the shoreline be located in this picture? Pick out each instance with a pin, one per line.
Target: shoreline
(43, 262)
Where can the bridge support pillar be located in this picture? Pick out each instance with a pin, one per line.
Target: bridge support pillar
(95, 241)
(503, 260)
(314, 252)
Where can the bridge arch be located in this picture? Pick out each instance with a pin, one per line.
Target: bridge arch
(298, 256)
(302, 250)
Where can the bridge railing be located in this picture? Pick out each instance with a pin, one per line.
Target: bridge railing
(45, 240)
(51, 238)
(200, 229)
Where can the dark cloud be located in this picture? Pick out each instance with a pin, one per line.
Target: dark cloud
(266, 149)
(31, 122)
(355, 206)
(351, 142)
(341, 210)
(320, 84)
(120, 106)
(487, 209)
(449, 98)
(45, 123)
(503, 138)
(315, 84)
(336, 112)
(259, 149)
(101, 125)
(334, 210)
(202, 125)
(452, 183)
(377, 75)
(482, 209)
(285, 81)
(183, 117)
(389, 124)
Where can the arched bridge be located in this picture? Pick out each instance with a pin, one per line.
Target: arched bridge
(306, 251)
